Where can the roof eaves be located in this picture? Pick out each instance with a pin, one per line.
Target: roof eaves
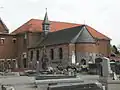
(21, 26)
(106, 38)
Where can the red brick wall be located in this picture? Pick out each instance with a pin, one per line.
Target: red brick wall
(87, 47)
(8, 50)
(103, 47)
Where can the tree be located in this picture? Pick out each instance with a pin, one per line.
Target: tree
(115, 50)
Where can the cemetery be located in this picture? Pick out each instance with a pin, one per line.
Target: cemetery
(67, 56)
(104, 78)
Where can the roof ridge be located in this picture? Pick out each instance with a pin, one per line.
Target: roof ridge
(89, 31)
(58, 21)
(58, 24)
(78, 34)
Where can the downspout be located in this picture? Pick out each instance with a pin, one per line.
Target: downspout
(68, 52)
(27, 45)
(75, 53)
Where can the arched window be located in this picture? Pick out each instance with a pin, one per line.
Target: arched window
(51, 54)
(60, 53)
(31, 55)
(25, 63)
(2, 41)
(37, 55)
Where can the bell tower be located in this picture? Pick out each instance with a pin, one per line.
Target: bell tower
(46, 24)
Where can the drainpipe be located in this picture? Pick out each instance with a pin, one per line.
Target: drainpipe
(68, 52)
(75, 53)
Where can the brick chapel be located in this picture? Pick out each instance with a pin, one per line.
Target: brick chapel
(54, 42)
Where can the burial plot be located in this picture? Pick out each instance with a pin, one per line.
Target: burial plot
(75, 86)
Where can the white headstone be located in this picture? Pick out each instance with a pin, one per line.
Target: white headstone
(73, 57)
(37, 66)
(16, 64)
(106, 69)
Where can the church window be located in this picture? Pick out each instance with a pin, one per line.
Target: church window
(2, 41)
(25, 63)
(52, 54)
(31, 55)
(37, 55)
(60, 53)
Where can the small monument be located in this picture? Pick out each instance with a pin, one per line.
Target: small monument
(37, 66)
(73, 57)
(106, 69)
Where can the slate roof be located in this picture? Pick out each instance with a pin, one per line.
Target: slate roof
(35, 25)
(69, 35)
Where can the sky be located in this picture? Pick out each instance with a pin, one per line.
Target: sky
(102, 15)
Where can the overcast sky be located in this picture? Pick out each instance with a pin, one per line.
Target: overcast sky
(103, 15)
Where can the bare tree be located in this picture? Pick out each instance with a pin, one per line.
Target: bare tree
(115, 49)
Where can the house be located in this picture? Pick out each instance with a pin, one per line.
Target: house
(8, 49)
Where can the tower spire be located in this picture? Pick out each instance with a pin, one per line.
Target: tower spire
(46, 21)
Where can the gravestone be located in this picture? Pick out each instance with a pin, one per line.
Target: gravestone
(37, 66)
(106, 69)
(73, 57)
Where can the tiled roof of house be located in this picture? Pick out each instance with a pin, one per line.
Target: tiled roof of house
(35, 25)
